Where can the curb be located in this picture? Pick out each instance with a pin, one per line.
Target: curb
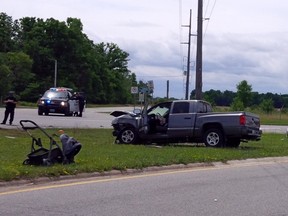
(113, 173)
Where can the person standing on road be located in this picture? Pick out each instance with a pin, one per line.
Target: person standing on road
(81, 102)
(10, 102)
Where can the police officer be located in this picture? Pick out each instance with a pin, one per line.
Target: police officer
(81, 101)
(10, 102)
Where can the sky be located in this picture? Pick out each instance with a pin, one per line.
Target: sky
(242, 40)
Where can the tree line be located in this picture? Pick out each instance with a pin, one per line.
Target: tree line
(29, 48)
(244, 97)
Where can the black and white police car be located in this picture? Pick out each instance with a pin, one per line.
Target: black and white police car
(58, 100)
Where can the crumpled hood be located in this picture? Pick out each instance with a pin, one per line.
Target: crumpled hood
(120, 113)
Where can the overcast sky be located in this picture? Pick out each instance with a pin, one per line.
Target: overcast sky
(243, 40)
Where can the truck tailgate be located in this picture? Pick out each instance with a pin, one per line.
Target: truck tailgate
(252, 121)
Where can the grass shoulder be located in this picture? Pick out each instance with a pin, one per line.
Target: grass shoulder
(276, 117)
(99, 153)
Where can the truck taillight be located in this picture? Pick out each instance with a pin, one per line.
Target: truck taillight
(242, 120)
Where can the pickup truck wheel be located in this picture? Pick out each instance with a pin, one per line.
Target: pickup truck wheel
(128, 136)
(213, 138)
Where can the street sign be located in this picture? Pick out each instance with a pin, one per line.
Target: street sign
(134, 90)
(150, 85)
(141, 97)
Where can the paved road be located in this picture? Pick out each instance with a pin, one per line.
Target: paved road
(247, 188)
(92, 118)
(275, 128)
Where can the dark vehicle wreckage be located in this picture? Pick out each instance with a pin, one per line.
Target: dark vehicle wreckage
(185, 121)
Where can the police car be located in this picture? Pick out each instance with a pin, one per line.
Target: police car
(58, 100)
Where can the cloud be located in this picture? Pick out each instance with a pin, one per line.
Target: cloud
(227, 60)
(243, 40)
(258, 58)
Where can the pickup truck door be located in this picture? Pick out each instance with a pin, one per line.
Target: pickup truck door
(181, 121)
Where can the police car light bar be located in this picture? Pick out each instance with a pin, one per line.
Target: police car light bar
(60, 89)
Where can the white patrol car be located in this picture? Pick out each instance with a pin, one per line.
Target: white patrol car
(58, 100)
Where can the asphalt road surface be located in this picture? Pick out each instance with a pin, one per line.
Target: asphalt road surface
(92, 118)
(249, 188)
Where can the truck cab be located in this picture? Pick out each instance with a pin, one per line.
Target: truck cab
(164, 120)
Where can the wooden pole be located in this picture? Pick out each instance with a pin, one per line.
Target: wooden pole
(188, 60)
(198, 80)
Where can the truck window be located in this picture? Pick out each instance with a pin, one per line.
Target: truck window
(209, 108)
(201, 108)
(204, 108)
(181, 107)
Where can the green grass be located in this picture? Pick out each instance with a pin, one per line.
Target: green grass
(275, 118)
(99, 153)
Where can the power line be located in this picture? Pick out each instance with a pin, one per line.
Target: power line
(158, 76)
(210, 15)
(206, 8)
(191, 46)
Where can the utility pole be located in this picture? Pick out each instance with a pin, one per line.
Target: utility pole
(188, 59)
(167, 91)
(198, 80)
(55, 73)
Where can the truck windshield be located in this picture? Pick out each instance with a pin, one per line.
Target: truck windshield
(159, 110)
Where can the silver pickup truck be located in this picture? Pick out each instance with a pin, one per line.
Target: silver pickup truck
(185, 121)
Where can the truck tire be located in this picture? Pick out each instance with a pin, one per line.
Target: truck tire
(213, 138)
(128, 136)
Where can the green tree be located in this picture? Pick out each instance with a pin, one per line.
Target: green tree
(33, 39)
(20, 70)
(99, 70)
(15, 71)
(228, 97)
(5, 83)
(114, 78)
(6, 33)
(212, 96)
(244, 93)
(237, 105)
(49, 41)
(267, 105)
